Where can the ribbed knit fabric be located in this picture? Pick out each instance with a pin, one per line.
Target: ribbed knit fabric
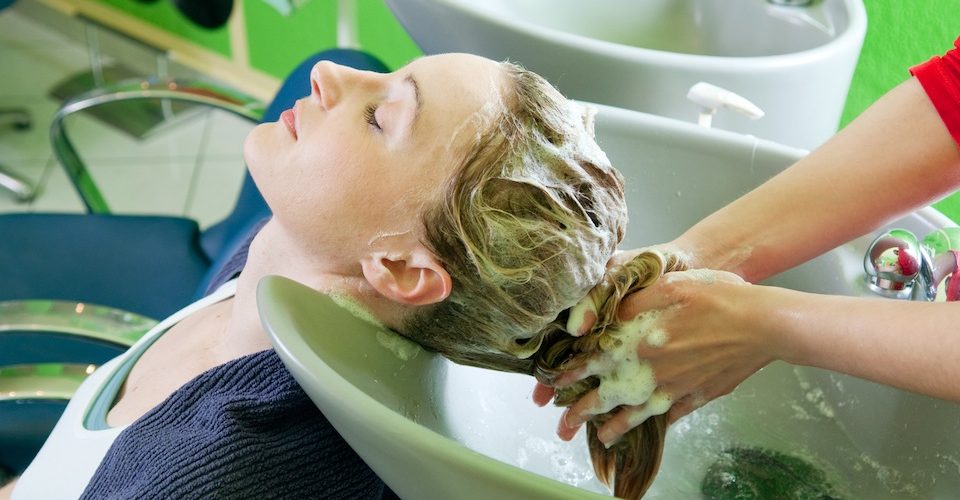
(940, 79)
(244, 429)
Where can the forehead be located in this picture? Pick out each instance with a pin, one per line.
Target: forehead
(460, 92)
(458, 75)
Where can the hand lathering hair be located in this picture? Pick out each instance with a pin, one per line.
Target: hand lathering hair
(630, 465)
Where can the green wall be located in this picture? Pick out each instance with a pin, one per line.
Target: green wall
(900, 33)
(164, 15)
(277, 43)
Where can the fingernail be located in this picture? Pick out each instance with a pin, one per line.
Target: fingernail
(589, 319)
(563, 430)
(580, 315)
(565, 419)
(571, 420)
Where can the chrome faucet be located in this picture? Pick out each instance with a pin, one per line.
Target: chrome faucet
(901, 267)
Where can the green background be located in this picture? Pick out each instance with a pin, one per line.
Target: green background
(164, 15)
(900, 33)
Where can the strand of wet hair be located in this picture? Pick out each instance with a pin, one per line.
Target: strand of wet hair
(629, 466)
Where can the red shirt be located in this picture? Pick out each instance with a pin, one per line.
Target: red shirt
(940, 78)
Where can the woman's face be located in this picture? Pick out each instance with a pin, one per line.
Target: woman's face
(365, 152)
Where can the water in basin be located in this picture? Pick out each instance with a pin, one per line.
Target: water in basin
(435, 430)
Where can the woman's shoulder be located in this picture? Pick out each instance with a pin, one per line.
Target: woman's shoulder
(249, 427)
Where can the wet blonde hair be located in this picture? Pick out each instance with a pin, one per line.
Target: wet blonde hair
(525, 228)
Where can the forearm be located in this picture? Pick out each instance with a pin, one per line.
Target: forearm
(897, 156)
(911, 345)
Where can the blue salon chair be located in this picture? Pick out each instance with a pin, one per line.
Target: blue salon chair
(58, 271)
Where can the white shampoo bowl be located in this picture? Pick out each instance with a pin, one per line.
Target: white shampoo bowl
(795, 63)
(435, 430)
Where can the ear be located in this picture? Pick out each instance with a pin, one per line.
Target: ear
(414, 277)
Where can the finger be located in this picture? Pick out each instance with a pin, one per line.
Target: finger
(542, 394)
(571, 376)
(583, 315)
(653, 298)
(566, 432)
(692, 402)
(684, 407)
(578, 413)
(632, 416)
(598, 364)
(704, 277)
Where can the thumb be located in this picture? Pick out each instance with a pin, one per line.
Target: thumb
(582, 317)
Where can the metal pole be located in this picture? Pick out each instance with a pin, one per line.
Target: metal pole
(347, 27)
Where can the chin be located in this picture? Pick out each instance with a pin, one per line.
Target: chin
(259, 165)
(259, 150)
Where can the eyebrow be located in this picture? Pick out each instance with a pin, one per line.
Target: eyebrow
(416, 92)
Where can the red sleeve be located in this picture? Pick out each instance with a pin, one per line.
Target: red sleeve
(940, 78)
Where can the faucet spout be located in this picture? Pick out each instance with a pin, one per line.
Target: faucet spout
(892, 264)
(899, 266)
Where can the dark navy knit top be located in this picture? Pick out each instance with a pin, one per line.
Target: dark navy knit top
(244, 429)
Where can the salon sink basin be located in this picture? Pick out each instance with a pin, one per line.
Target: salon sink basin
(435, 430)
(795, 63)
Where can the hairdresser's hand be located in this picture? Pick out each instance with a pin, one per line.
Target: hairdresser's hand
(583, 315)
(718, 332)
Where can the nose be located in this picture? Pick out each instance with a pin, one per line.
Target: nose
(330, 82)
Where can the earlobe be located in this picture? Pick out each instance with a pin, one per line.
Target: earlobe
(416, 278)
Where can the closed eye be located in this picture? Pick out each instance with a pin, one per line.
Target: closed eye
(370, 115)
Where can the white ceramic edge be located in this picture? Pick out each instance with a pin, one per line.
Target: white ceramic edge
(378, 415)
(692, 130)
(621, 116)
(857, 29)
(935, 217)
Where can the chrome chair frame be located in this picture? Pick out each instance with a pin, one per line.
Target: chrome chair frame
(19, 187)
(190, 91)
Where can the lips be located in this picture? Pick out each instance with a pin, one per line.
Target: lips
(289, 118)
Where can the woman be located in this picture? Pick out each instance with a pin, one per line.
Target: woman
(900, 154)
(463, 202)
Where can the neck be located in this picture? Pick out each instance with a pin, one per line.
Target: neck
(272, 252)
